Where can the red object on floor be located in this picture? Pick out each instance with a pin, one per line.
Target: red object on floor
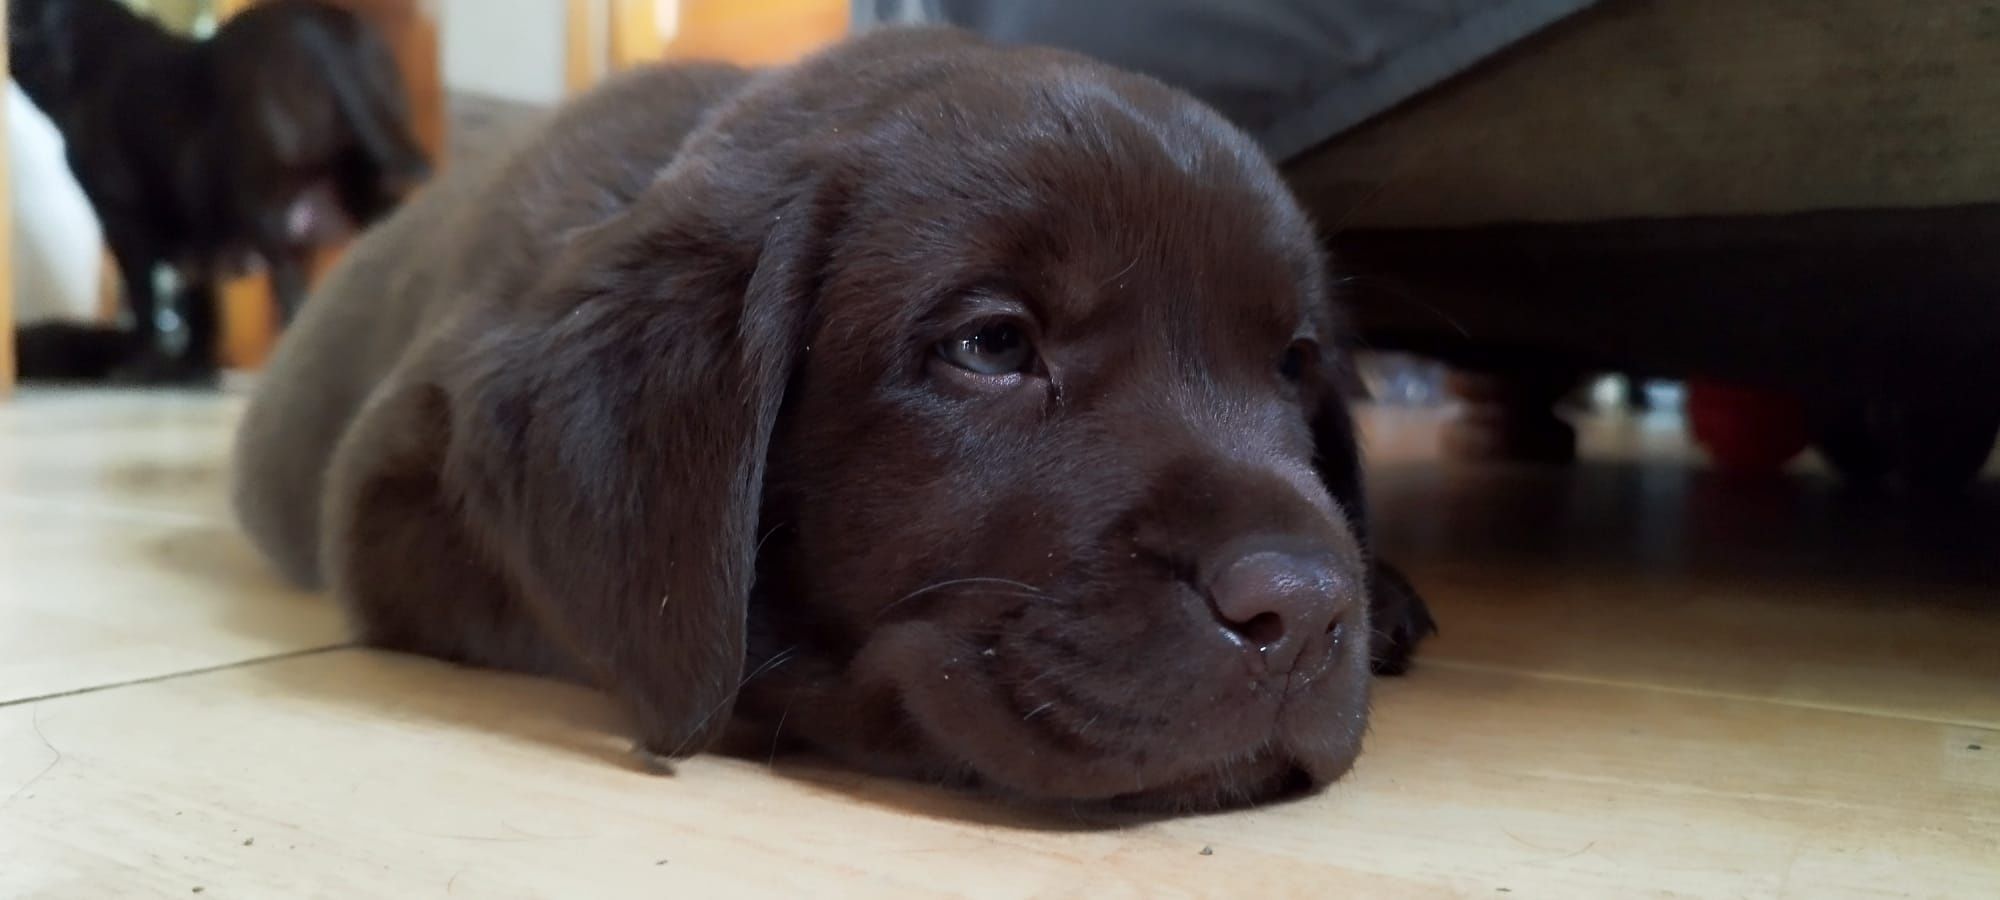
(1746, 429)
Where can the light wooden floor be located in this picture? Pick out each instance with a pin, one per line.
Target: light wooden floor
(1652, 681)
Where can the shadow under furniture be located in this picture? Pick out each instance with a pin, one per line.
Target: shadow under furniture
(1797, 195)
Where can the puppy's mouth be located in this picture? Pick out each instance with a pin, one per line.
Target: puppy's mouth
(1030, 736)
(1066, 724)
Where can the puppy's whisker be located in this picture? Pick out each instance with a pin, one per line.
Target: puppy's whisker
(775, 661)
(767, 537)
(1016, 595)
(1121, 273)
(1033, 591)
(1057, 673)
(777, 733)
(778, 659)
(992, 630)
(1403, 295)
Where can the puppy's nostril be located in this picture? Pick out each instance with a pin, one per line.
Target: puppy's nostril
(1263, 629)
(1279, 603)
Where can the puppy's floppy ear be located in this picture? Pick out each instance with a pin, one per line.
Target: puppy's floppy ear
(609, 438)
(1397, 615)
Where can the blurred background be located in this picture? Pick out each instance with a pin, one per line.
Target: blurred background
(473, 68)
(1773, 215)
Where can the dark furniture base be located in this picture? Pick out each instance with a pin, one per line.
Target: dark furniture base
(1886, 322)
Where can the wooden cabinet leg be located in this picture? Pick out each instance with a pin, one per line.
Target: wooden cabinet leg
(1510, 416)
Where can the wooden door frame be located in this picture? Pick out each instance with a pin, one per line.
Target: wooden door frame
(610, 36)
(7, 365)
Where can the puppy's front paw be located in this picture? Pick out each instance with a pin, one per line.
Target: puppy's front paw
(1400, 620)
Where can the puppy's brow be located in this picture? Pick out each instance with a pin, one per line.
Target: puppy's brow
(987, 298)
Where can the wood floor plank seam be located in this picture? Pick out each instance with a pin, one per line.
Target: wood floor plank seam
(1700, 693)
(186, 673)
(134, 514)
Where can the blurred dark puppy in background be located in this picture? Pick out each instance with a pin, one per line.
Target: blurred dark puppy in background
(209, 158)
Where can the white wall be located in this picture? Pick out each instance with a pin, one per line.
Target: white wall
(510, 49)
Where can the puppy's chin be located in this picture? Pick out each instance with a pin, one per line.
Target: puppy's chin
(1229, 751)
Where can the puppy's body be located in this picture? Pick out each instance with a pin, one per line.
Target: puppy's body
(954, 410)
(471, 240)
(256, 146)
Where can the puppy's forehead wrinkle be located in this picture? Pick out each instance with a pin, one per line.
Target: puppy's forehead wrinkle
(1170, 215)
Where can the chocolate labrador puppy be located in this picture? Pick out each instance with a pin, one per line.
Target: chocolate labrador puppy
(964, 413)
(254, 147)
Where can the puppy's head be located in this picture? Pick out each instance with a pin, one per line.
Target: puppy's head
(1059, 497)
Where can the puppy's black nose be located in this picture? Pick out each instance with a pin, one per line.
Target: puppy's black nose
(1282, 603)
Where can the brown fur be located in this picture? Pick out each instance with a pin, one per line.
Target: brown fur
(656, 401)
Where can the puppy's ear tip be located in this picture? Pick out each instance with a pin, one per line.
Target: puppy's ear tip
(659, 749)
(653, 762)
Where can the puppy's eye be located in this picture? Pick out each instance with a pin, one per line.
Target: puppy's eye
(1298, 357)
(990, 348)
